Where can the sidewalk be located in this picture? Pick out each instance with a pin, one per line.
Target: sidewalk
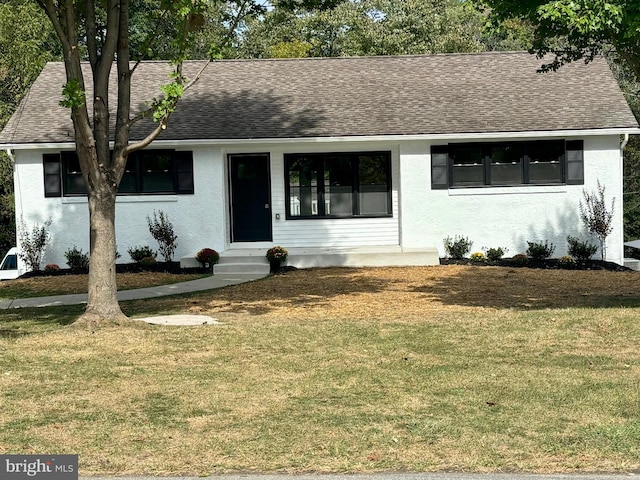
(207, 283)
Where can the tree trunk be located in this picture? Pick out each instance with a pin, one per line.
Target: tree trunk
(102, 303)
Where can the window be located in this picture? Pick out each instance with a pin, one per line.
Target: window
(146, 172)
(543, 162)
(338, 184)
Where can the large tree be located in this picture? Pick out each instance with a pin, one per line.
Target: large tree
(102, 29)
(101, 32)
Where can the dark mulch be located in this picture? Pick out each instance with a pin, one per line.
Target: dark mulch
(159, 267)
(551, 263)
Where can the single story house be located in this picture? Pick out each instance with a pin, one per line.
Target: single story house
(343, 161)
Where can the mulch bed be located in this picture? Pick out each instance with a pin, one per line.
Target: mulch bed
(551, 263)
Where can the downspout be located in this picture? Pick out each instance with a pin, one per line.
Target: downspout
(623, 144)
(16, 183)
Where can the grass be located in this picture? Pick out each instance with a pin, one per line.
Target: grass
(340, 370)
(68, 284)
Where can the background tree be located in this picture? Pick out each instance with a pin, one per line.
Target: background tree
(365, 27)
(574, 29)
(27, 42)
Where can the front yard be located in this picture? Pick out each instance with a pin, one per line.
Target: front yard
(350, 370)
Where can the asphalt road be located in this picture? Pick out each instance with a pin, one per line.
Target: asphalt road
(392, 476)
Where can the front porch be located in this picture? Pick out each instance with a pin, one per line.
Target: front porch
(253, 260)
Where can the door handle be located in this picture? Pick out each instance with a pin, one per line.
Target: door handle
(266, 205)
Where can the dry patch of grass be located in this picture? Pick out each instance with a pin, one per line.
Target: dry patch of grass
(454, 368)
(67, 284)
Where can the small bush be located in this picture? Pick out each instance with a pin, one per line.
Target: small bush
(538, 251)
(581, 251)
(277, 254)
(495, 254)
(148, 262)
(457, 247)
(161, 229)
(33, 243)
(566, 262)
(51, 267)
(208, 256)
(76, 259)
(478, 257)
(520, 259)
(138, 253)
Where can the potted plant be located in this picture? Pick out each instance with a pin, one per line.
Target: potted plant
(276, 255)
(208, 257)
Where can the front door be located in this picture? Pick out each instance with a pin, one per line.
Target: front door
(250, 198)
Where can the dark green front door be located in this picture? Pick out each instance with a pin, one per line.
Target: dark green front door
(250, 198)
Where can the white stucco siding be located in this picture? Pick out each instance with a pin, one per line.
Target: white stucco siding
(507, 217)
(504, 217)
(198, 220)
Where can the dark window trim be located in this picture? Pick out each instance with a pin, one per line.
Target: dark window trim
(571, 155)
(322, 156)
(57, 180)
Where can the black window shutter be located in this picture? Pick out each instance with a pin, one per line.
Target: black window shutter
(575, 162)
(52, 175)
(184, 172)
(439, 167)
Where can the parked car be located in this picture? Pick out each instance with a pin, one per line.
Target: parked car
(12, 265)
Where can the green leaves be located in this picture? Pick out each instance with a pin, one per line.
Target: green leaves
(73, 95)
(575, 29)
(165, 106)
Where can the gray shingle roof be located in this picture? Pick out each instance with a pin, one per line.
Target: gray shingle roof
(361, 96)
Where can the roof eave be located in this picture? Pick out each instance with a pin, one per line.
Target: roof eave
(356, 138)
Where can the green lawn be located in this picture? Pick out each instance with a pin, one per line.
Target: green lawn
(290, 389)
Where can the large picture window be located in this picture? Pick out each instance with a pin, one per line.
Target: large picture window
(542, 162)
(146, 172)
(323, 185)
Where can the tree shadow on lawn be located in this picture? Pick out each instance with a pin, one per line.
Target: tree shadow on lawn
(397, 292)
(20, 322)
(534, 289)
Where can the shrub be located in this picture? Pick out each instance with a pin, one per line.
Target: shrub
(566, 262)
(520, 259)
(161, 229)
(495, 254)
(148, 262)
(277, 254)
(33, 243)
(208, 256)
(538, 251)
(581, 251)
(457, 247)
(478, 257)
(51, 267)
(76, 259)
(596, 216)
(138, 253)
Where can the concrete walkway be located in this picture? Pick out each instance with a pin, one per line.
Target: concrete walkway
(202, 284)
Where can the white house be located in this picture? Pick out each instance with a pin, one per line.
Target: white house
(347, 161)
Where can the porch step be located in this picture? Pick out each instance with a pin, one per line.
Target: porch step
(242, 261)
(632, 263)
(253, 260)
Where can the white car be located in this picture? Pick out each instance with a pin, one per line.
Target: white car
(12, 265)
